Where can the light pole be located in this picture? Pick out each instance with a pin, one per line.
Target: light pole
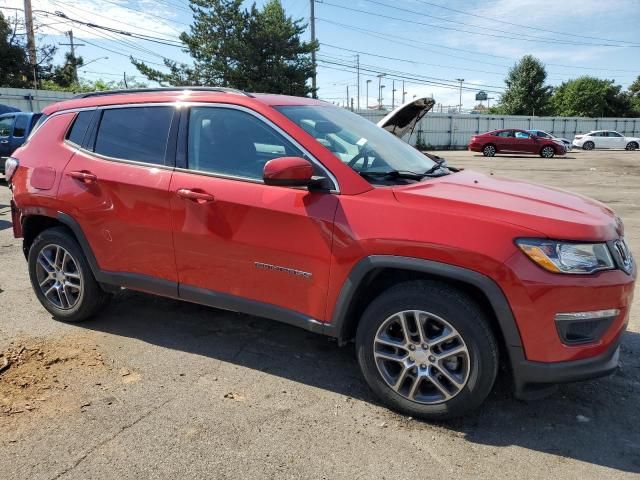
(94, 60)
(460, 104)
(393, 95)
(367, 101)
(380, 75)
(404, 93)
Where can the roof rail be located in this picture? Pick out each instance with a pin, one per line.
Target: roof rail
(162, 89)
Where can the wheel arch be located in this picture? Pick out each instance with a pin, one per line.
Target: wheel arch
(35, 222)
(373, 274)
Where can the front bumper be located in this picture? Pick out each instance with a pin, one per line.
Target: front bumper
(535, 379)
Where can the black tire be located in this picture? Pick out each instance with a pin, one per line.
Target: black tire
(631, 146)
(547, 151)
(91, 298)
(461, 313)
(588, 146)
(489, 150)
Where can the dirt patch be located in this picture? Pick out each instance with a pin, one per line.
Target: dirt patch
(38, 370)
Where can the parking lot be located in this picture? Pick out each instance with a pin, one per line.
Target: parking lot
(156, 388)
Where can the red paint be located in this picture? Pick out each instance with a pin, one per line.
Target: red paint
(530, 145)
(209, 232)
(288, 170)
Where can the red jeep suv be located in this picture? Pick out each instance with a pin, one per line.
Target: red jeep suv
(302, 212)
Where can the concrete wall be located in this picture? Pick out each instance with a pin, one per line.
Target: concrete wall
(31, 100)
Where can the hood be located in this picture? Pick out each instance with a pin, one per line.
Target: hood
(553, 213)
(403, 120)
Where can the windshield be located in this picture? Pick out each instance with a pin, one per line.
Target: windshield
(357, 142)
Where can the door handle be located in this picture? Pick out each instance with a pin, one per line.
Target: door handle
(83, 176)
(194, 195)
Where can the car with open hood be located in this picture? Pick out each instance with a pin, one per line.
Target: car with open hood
(298, 211)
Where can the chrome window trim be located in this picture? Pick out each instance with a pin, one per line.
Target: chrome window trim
(137, 163)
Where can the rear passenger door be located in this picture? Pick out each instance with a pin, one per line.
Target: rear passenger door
(117, 188)
(6, 132)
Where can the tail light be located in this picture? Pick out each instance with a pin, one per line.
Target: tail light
(578, 137)
(10, 168)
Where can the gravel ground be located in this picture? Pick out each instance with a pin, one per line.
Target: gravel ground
(155, 388)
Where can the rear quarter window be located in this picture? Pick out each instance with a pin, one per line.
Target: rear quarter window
(79, 127)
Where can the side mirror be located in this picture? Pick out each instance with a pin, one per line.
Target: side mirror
(288, 172)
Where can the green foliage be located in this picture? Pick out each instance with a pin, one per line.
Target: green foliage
(14, 65)
(259, 49)
(91, 85)
(591, 97)
(634, 94)
(65, 75)
(15, 70)
(526, 92)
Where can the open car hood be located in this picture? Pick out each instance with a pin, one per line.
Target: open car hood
(403, 120)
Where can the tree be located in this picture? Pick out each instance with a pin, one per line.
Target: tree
(92, 85)
(591, 97)
(255, 49)
(634, 94)
(526, 92)
(13, 57)
(65, 75)
(15, 69)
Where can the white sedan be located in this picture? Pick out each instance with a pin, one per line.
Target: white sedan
(605, 139)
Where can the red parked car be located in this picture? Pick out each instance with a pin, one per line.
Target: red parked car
(513, 140)
(299, 211)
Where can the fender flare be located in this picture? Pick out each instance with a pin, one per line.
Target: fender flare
(490, 288)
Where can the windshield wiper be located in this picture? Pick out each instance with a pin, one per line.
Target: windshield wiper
(440, 164)
(391, 174)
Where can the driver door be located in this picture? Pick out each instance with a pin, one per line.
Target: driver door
(235, 237)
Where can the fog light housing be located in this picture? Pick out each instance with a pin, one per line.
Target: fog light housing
(584, 327)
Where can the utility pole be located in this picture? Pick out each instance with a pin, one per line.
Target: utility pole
(393, 94)
(404, 93)
(460, 107)
(124, 77)
(31, 41)
(366, 106)
(347, 96)
(312, 21)
(358, 70)
(72, 46)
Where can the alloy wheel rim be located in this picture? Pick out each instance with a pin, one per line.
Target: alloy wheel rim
(490, 151)
(547, 152)
(421, 357)
(59, 277)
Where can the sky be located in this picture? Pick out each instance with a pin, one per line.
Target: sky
(428, 44)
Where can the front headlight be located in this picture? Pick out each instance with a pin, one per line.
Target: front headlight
(565, 257)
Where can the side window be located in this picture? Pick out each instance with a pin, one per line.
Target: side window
(615, 134)
(137, 133)
(6, 125)
(521, 135)
(20, 127)
(79, 128)
(504, 134)
(233, 142)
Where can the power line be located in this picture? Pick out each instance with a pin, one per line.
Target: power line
(413, 43)
(146, 13)
(518, 24)
(533, 37)
(389, 17)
